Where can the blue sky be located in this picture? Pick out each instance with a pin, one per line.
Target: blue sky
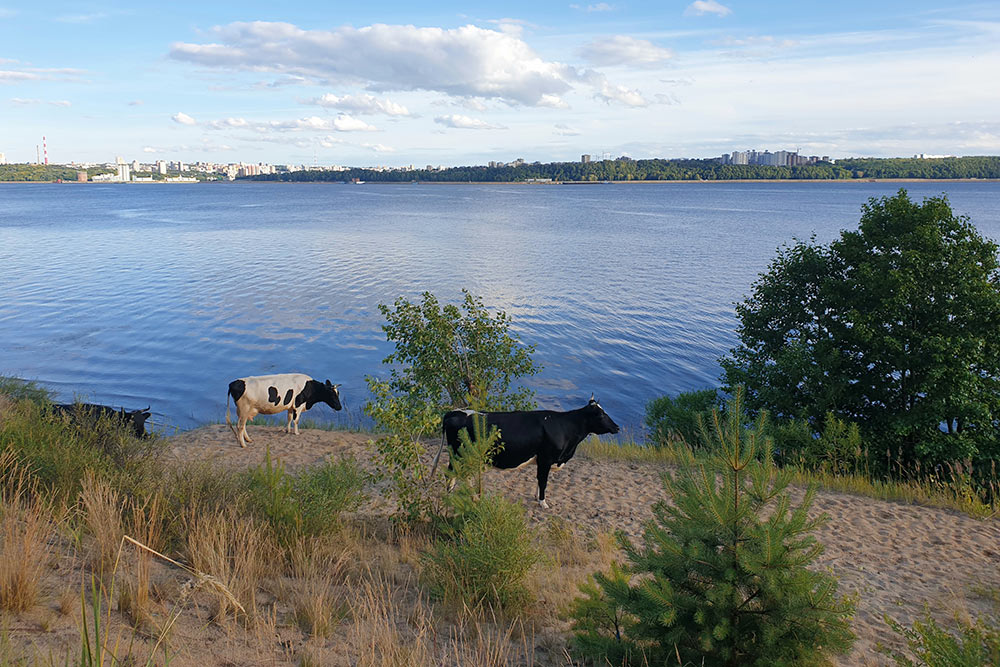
(462, 83)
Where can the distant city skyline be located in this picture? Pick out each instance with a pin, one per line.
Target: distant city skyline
(469, 83)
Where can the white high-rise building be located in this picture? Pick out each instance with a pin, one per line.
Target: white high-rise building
(124, 173)
(161, 167)
(3, 159)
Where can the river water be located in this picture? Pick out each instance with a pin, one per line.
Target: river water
(161, 294)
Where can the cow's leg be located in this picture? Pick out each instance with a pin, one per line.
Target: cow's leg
(288, 422)
(241, 432)
(543, 480)
(295, 418)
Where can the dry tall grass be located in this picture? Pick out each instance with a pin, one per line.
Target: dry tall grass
(238, 552)
(313, 592)
(26, 523)
(103, 507)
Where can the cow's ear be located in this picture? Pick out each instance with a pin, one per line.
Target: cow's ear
(328, 382)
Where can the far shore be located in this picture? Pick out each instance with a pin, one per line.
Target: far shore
(660, 182)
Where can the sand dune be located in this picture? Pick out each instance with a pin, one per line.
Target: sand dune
(897, 558)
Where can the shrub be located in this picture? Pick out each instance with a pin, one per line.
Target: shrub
(721, 577)
(308, 503)
(838, 448)
(977, 643)
(487, 561)
(671, 419)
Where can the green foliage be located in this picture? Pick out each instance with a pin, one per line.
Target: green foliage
(671, 419)
(668, 170)
(308, 503)
(17, 389)
(466, 476)
(486, 561)
(59, 452)
(976, 644)
(722, 576)
(838, 449)
(445, 357)
(456, 356)
(892, 326)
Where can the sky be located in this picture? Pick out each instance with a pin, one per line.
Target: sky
(459, 83)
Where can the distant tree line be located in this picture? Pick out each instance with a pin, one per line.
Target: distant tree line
(665, 170)
(45, 172)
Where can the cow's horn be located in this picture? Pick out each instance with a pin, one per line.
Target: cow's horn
(592, 399)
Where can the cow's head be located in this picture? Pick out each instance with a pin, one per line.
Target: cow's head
(598, 421)
(136, 421)
(331, 396)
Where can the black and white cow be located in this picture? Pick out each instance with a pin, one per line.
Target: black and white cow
(548, 437)
(132, 420)
(293, 393)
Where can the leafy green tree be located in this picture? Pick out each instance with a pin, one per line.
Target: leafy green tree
(893, 326)
(677, 418)
(722, 575)
(456, 356)
(445, 357)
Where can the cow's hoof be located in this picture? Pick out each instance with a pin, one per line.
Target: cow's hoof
(543, 504)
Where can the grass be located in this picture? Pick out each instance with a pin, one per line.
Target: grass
(946, 495)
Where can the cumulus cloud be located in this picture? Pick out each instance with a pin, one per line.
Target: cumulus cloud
(183, 119)
(379, 148)
(361, 104)
(701, 7)
(609, 92)
(566, 131)
(342, 123)
(624, 50)
(466, 62)
(466, 123)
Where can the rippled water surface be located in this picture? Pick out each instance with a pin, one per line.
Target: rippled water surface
(162, 294)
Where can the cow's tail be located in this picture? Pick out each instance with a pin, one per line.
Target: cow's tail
(228, 422)
(437, 458)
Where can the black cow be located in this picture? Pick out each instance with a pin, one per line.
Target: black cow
(547, 436)
(133, 420)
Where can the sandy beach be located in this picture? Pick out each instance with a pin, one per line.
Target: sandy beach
(899, 559)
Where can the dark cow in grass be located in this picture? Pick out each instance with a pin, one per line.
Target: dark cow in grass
(548, 437)
(293, 393)
(132, 420)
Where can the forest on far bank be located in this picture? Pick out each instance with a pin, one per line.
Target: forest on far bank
(625, 169)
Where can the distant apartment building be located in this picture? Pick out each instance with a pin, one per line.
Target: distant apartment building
(124, 172)
(767, 158)
(135, 165)
(161, 167)
(3, 159)
(585, 159)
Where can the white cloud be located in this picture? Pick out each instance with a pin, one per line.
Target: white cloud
(566, 131)
(183, 119)
(81, 18)
(609, 92)
(379, 148)
(464, 62)
(599, 7)
(342, 123)
(701, 7)
(466, 123)
(136, 103)
(362, 104)
(21, 101)
(10, 76)
(624, 50)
